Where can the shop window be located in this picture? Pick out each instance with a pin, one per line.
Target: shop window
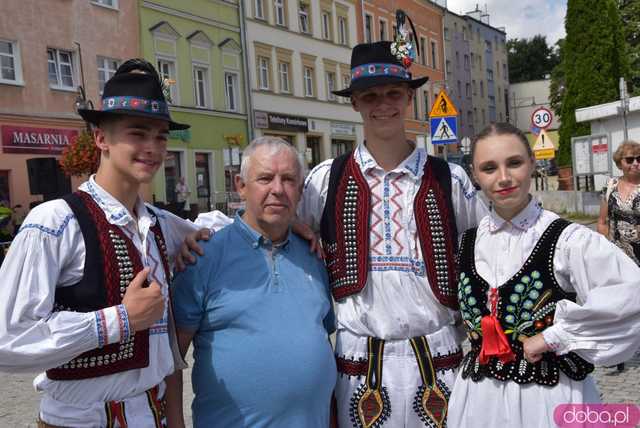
(172, 173)
(339, 147)
(203, 187)
(312, 154)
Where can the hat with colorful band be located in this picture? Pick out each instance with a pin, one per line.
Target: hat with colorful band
(374, 64)
(132, 94)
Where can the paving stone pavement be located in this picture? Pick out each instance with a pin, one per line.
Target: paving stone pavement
(19, 403)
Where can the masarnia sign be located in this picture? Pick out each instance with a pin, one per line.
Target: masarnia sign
(46, 141)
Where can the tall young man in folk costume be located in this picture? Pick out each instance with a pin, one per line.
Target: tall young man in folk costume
(85, 283)
(389, 216)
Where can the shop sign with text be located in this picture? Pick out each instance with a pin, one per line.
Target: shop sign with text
(281, 122)
(45, 141)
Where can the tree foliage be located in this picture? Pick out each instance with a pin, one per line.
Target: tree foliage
(530, 59)
(593, 60)
(630, 14)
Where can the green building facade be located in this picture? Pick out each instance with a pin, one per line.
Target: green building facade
(196, 45)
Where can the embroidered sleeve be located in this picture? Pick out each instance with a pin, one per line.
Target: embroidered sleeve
(34, 335)
(469, 208)
(602, 327)
(112, 325)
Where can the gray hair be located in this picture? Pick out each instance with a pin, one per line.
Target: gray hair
(274, 145)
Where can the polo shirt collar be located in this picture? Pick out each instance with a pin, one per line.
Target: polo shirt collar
(413, 164)
(253, 237)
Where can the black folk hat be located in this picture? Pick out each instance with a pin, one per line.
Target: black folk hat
(374, 64)
(132, 94)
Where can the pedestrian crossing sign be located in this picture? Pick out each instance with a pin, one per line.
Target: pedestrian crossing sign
(444, 130)
(443, 106)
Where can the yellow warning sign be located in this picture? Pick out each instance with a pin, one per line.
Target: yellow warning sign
(545, 154)
(443, 106)
(543, 142)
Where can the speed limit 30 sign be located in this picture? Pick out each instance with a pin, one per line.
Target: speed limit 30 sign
(541, 118)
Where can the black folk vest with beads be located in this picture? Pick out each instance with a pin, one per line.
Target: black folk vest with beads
(111, 262)
(345, 228)
(526, 307)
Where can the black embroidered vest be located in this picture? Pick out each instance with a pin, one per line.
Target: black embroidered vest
(526, 306)
(111, 262)
(346, 221)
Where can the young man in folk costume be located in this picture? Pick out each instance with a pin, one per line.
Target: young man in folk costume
(85, 283)
(389, 215)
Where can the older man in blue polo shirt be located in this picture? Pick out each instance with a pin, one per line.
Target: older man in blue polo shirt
(257, 308)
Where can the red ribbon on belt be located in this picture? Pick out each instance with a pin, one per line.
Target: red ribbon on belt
(494, 341)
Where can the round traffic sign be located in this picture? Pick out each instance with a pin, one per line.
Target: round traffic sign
(541, 117)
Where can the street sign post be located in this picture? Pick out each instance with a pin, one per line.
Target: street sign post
(443, 120)
(544, 147)
(541, 118)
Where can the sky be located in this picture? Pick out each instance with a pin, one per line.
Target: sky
(521, 18)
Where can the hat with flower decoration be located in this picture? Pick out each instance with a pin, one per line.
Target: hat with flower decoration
(381, 63)
(133, 93)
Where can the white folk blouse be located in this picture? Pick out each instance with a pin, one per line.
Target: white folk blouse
(397, 302)
(49, 252)
(603, 326)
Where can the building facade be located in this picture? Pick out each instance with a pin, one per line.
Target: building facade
(43, 67)
(478, 78)
(377, 21)
(525, 98)
(298, 52)
(198, 45)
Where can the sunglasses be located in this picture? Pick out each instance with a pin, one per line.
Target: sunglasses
(630, 159)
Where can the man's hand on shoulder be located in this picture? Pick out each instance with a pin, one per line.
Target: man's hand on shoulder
(304, 231)
(190, 244)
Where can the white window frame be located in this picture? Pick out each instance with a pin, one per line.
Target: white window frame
(173, 75)
(264, 64)
(325, 18)
(279, 11)
(105, 69)
(307, 73)
(258, 9)
(110, 4)
(284, 77)
(201, 100)
(383, 28)
(331, 85)
(228, 98)
(17, 64)
(342, 31)
(303, 17)
(58, 64)
(368, 32)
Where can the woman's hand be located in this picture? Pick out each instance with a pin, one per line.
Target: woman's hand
(534, 347)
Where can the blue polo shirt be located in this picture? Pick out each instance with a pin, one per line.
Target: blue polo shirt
(262, 314)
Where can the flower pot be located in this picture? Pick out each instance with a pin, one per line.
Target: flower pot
(565, 178)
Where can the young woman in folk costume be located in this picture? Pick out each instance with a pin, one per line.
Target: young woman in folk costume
(542, 299)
